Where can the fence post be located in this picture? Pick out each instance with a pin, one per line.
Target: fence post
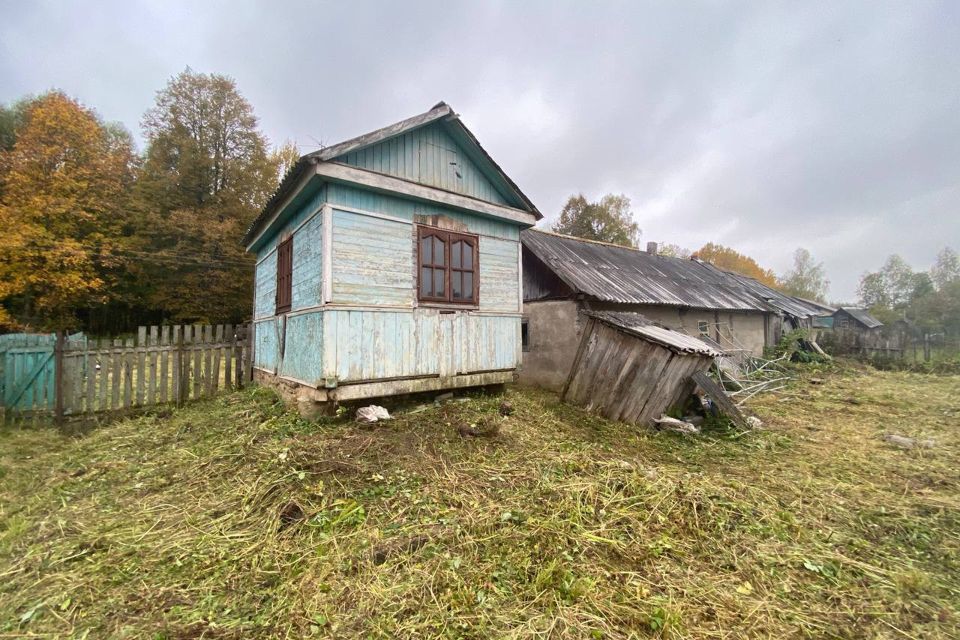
(246, 355)
(181, 367)
(58, 377)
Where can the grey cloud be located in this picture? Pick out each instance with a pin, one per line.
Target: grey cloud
(761, 126)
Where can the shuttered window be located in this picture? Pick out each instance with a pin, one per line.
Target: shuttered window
(447, 266)
(284, 275)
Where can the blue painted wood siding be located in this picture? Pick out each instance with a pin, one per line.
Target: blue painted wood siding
(382, 333)
(307, 277)
(266, 349)
(373, 345)
(499, 275)
(307, 280)
(372, 261)
(373, 265)
(310, 205)
(303, 356)
(429, 156)
(265, 286)
(405, 209)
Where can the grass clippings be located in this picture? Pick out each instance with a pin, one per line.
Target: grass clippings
(234, 518)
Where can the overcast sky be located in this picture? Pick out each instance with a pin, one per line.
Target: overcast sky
(763, 126)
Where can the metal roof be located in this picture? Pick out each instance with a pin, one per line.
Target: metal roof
(613, 273)
(796, 307)
(439, 112)
(862, 316)
(637, 324)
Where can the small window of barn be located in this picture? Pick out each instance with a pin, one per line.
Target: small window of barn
(447, 266)
(284, 275)
(704, 329)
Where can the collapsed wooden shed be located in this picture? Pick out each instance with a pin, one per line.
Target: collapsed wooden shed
(631, 370)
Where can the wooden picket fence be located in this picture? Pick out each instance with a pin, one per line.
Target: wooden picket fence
(161, 365)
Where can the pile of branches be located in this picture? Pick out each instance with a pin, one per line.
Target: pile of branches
(744, 377)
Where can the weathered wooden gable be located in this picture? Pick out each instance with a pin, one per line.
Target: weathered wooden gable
(431, 156)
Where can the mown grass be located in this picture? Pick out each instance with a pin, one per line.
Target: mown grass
(235, 519)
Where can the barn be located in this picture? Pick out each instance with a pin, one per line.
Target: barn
(389, 264)
(567, 277)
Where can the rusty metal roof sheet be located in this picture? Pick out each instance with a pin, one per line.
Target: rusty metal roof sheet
(630, 276)
(637, 324)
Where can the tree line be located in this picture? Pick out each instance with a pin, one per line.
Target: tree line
(928, 301)
(100, 237)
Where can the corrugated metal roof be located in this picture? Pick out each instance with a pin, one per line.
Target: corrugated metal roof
(796, 307)
(624, 275)
(637, 324)
(620, 274)
(862, 316)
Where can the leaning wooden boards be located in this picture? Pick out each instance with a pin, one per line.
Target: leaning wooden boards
(625, 375)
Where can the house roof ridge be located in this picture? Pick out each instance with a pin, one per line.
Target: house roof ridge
(606, 244)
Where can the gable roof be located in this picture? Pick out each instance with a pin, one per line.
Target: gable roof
(862, 316)
(611, 273)
(440, 112)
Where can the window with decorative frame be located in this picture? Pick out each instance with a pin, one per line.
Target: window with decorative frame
(447, 266)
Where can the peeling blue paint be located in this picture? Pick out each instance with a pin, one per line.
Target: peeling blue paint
(303, 357)
(428, 156)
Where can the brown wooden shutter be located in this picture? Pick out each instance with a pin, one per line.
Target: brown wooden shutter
(284, 275)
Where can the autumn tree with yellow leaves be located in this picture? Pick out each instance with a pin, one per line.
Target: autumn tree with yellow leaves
(65, 179)
(731, 260)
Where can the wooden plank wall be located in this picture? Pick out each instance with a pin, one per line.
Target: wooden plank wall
(160, 365)
(625, 378)
(430, 156)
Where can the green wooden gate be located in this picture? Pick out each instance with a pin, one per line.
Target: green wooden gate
(27, 374)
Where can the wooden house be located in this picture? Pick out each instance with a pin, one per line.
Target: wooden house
(855, 319)
(566, 277)
(630, 370)
(856, 332)
(389, 264)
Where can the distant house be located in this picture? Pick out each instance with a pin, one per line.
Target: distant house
(566, 277)
(856, 332)
(390, 263)
(853, 318)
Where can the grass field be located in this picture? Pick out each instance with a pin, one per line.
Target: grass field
(233, 518)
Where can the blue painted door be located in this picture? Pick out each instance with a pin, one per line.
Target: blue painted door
(27, 373)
